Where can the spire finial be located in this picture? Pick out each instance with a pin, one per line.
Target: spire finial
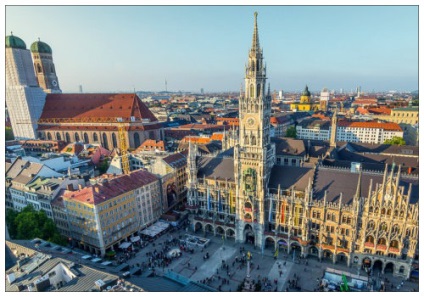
(255, 41)
(11, 33)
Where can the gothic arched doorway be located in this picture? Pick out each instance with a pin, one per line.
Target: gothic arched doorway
(390, 268)
(198, 227)
(249, 234)
(270, 243)
(378, 265)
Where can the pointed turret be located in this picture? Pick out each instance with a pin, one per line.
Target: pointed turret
(255, 39)
(358, 187)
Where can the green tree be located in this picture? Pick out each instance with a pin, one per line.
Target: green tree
(103, 166)
(9, 134)
(30, 223)
(291, 132)
(395, 140)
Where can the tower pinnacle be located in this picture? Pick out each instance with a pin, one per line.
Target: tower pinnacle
(255, 40)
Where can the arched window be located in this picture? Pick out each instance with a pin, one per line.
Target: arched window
(136, 140)
(52, 69)
(381, 241)
(67, 137)
(389, 212)
(253, 65)
(257, 66)
(86, 140)
(370, 209)
(396, 213)
(246, 139)
(371, 225)
(39, 68)
(253, 140)
(383, 211)
(394, 244)
(383, 227)
(49, 136)
(114, 142)
(258, 90)
(376, 210)
(58, 136)
(105, 144)
(77, 138)
(252, 88)
(408, 232)
(370, 239)
(95, 137)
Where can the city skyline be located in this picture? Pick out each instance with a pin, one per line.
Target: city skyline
(193, 47)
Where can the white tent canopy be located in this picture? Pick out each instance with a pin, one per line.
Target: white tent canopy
(135, 238)
(155, 229)
(125, 245)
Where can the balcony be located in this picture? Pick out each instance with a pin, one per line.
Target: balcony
(394, 250)
(381, 247)
(369, 244)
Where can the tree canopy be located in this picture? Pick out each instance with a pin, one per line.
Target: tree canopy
(291, 132)
(395, 140)
(29, 224)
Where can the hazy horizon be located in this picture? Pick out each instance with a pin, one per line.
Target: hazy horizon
(118, 48)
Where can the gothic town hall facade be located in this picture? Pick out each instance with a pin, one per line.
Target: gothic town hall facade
(363, 218)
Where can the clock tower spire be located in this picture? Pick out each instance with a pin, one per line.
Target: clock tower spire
(254, 154)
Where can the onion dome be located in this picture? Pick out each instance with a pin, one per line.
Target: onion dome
(306, 92)
(14, 42)
(41, 47)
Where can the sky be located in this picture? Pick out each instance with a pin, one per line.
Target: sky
(127, 48)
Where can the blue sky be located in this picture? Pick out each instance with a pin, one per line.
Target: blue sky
(117, 49)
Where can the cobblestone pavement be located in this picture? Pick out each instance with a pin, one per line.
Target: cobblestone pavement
(196, 268)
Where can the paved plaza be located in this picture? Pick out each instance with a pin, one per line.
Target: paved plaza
(214, 273)
(194, 267)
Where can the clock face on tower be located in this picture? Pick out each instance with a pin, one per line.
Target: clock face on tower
(250, 122)
(54, 83)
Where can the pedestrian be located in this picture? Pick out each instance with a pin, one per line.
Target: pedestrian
(281, 273)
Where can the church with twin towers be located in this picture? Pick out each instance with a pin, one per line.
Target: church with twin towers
(354, 217)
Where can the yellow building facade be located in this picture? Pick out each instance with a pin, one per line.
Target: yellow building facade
(305, 103)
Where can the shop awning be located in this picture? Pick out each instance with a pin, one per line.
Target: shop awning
(135, 238)
(125, 245)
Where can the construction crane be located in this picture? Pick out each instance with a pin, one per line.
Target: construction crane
(123, 148)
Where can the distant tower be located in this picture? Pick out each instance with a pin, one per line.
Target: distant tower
(44, 67)
(333, 129)
(24, 98)
(80, 89)
(201, 91)
(324, 98)
(358, 92)
(280, 95)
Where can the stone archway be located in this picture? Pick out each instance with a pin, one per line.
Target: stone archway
(282, 245)
(209, 228)
(219, 231)
(389, 268)
(377, 266)
(198, 227)
(269, 243)
(342, 258)
(230, 233)
(313, 251)
(295, 248)
(327, 256)
(249, 235)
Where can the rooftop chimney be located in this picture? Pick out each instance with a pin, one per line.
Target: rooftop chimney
(70, 187)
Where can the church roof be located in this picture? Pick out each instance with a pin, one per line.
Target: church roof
(87, 107)
(15, 42)
(41, 47)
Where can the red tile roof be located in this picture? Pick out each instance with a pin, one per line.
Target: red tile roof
(112, 188)
(90, 106)
(176, 160)
(151, 145)
(196, 139)
(380, 110)
(374, 125)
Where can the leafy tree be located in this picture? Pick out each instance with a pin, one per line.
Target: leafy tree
(291, 132)
(30, 223)
(103, 166)
(9, 134)
(395, 140)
